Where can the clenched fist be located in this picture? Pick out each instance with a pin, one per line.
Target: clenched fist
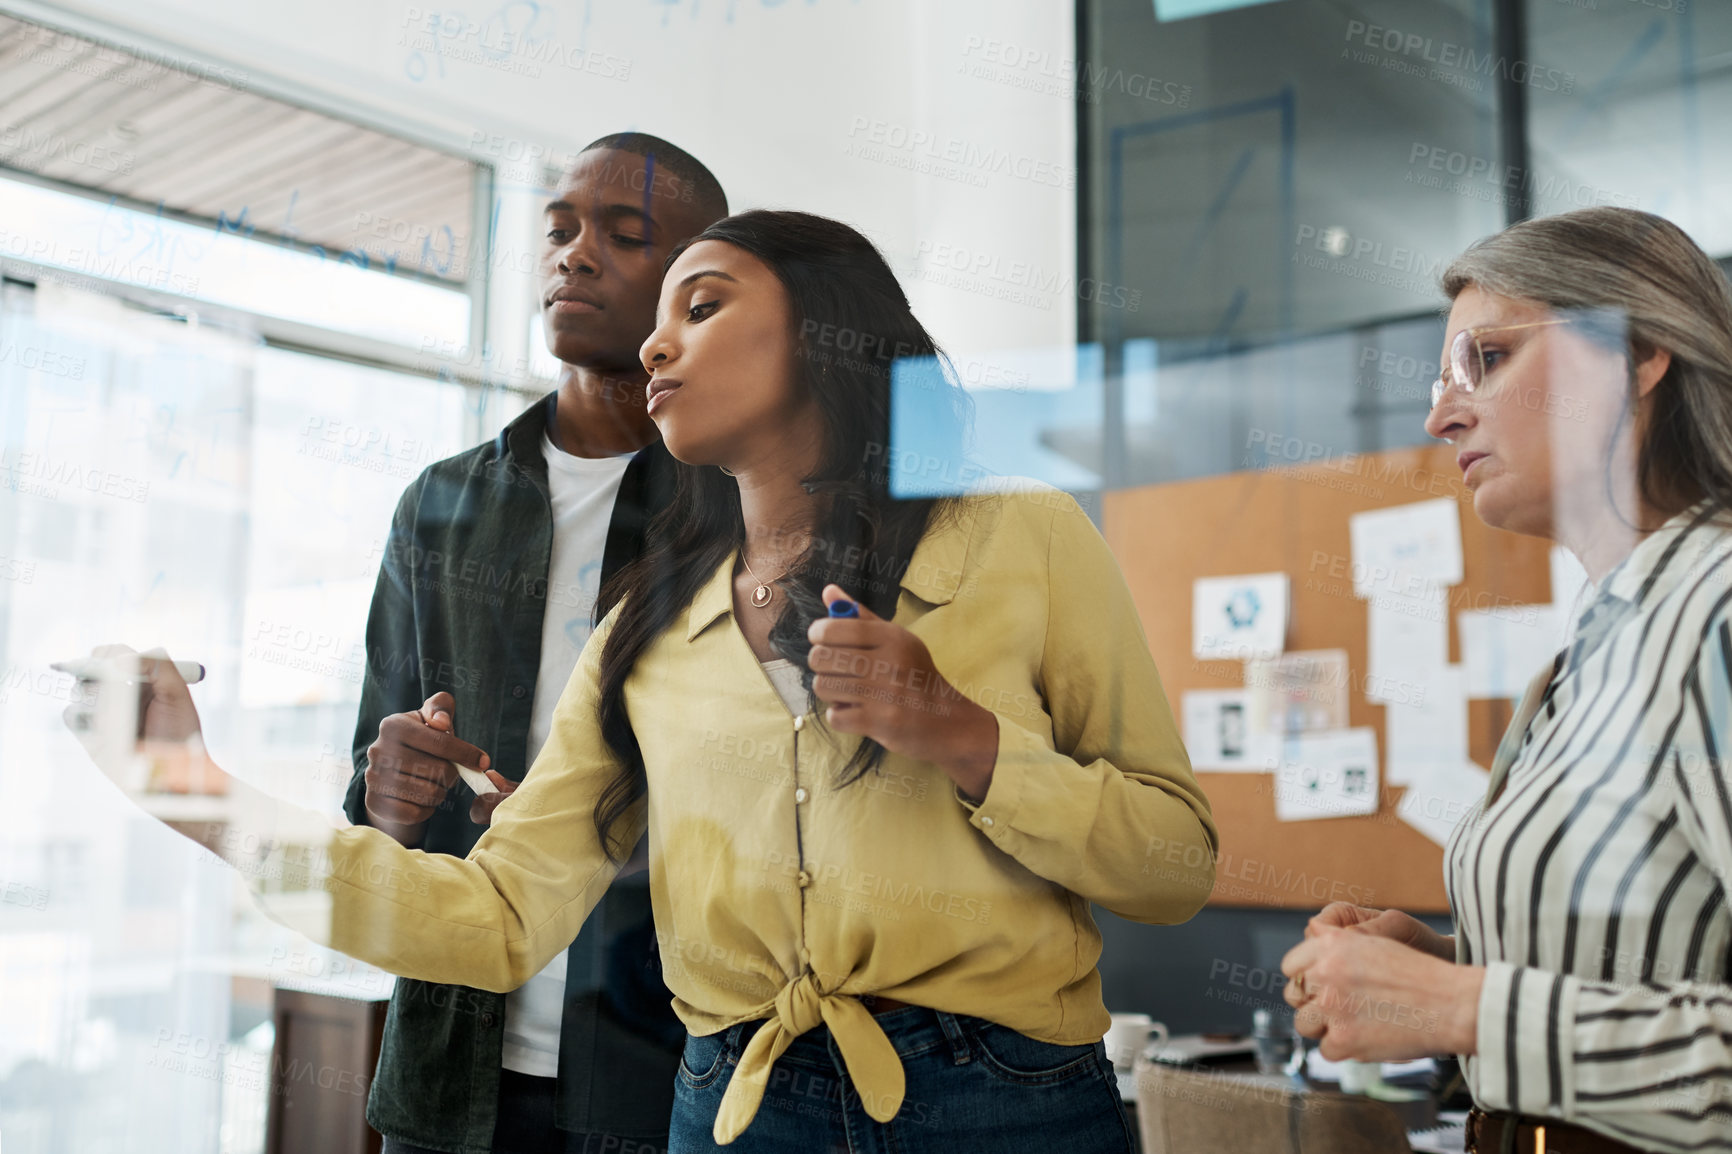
(410, 770)
(879, 681)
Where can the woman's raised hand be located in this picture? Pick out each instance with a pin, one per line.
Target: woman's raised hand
(1380, 984)
(140, 726)
(138, 722)
(1391, 924)
(879, 681)
(1369, 997)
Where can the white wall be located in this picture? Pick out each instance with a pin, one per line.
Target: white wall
(793, 103)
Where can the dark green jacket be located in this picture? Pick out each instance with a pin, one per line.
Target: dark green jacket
(458, 606)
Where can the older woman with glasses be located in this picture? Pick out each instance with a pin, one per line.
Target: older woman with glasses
(1588, 388)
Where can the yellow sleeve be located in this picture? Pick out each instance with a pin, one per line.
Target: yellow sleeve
(1114, 813)
(494, 919)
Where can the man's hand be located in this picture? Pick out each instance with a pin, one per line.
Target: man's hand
(409, 770)
(879, 681)
(1391, 924)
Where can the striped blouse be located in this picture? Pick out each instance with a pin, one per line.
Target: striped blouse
(1592, 883)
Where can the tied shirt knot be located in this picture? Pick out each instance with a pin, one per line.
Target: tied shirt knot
(802, 1005)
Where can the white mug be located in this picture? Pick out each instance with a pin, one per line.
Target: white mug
(1129, 1035)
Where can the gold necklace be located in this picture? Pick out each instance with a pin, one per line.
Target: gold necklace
(762, 594)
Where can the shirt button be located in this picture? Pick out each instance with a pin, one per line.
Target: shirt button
(799, 723)
(487, 1021)
(518, 691)
(986, 821)
(800, 794)
(805, 879)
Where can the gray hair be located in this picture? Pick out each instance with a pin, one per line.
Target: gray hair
(1672, 296)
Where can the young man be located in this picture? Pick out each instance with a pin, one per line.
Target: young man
(483, 603)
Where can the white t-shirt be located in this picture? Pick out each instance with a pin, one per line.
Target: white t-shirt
(583, 490)
(786, 678)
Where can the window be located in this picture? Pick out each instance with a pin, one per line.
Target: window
(1280, 186)
(221, 362)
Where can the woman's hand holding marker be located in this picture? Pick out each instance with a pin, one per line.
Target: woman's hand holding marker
(879, 681)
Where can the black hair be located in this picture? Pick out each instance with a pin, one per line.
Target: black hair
(839, 286)
(705, 190)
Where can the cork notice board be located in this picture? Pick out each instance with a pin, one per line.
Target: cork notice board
(1296, 521)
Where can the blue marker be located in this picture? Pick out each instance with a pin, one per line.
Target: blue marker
(842, 607)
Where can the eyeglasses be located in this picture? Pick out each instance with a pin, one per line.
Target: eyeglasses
(1467, 368)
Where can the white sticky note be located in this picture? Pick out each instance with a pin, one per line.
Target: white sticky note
(1406, 547)
(1426, 728)
(1406, 641)
(475, 780)
(1440, 797)
(1218, 735)
(1501, 649)
(1298, 692)
(1327, 775)
(1239, 617)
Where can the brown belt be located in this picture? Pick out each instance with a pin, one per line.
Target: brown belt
(1509, 1134)
(879, 1004)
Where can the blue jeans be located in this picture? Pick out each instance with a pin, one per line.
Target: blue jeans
(972, 1088)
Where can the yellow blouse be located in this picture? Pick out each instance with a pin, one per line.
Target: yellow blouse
(778, 894)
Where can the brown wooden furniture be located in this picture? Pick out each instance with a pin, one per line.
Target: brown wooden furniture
(321, 1068)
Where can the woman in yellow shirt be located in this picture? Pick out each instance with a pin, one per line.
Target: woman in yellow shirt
(873, 840)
